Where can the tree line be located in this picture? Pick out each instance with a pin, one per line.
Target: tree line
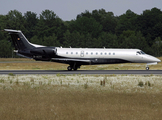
(96, 29)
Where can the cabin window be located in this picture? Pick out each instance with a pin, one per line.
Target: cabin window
(101, 53)
(105, 53)
(66, 52)
(109, 53)
(86, 53)
(96, 53)
(71, 52)
(113, 53)
(76, 52)
(91, 53)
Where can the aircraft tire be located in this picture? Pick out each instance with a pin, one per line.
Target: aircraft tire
(147, 68)
(75, 69)
(69, 68)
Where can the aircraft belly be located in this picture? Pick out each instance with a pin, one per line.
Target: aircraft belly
(109, 61)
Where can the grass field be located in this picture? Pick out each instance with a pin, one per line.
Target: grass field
(80, 97)
(29, 64)
(88, 97)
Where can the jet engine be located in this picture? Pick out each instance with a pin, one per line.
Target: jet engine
(44, 53)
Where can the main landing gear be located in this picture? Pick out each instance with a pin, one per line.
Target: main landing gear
(74, 67)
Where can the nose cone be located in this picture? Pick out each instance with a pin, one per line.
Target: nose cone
(158, 60)
(153, 59)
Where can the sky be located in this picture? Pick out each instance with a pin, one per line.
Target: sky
(69, 9)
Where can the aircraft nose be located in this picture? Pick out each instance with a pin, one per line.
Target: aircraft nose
(158, 60)
(153, 59)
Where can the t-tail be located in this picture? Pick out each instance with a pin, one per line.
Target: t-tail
(26, 49)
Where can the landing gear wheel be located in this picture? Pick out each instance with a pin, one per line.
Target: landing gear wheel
(147, 68)
(69, 68)
(75, 69)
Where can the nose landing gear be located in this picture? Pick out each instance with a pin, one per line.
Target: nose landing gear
(147, 68)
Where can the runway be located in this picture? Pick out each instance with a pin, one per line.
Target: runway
(133, 72)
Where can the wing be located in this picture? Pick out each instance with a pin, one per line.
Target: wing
(67, 60)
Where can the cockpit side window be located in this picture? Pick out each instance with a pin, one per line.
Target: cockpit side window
(138, 53)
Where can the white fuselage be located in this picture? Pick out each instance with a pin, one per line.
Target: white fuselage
(89, 53)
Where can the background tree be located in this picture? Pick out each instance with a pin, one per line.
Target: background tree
(126, 22)
(149, 22)
(157, 47)
(85, 25)
(49, 23)
(30, 23)
(5, 49)
(108, 40)
(96, 29)
(15, 20)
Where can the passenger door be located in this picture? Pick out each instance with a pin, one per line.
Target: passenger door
(82, 54)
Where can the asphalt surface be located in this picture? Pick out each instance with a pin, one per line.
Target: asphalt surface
(133, 72)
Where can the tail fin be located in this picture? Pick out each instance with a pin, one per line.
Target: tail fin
(19, 40)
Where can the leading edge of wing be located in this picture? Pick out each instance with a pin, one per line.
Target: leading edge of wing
(74, 60)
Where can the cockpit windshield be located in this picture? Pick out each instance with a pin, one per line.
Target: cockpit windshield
(140, 52)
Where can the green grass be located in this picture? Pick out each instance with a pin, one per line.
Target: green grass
(80, 97)
(64, 102)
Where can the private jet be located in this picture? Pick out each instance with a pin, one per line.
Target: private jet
(76, 57)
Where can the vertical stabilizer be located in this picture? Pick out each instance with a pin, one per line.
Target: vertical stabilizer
(19, 40)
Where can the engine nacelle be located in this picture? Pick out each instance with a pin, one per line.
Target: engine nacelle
(45, 52)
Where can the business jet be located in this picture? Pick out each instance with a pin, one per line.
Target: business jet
(76, 57)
